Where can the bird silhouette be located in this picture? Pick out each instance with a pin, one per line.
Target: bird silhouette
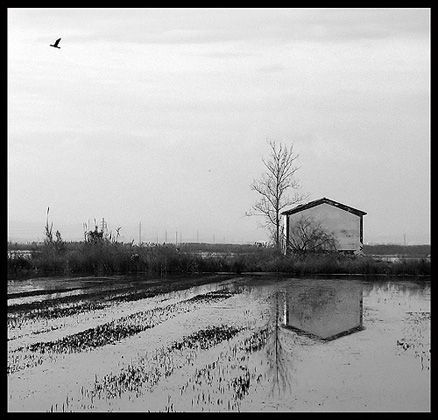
(55, 45)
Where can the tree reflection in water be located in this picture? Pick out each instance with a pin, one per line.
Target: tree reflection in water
(279, 359)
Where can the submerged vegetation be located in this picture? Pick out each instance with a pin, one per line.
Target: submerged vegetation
(201, 343)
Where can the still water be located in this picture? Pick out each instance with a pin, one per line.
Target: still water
(325, 310)
(366, 347)
(350, 345)
(243, 344)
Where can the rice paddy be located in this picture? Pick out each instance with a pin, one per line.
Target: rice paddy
(214, 343)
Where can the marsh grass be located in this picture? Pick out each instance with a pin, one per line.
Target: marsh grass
(106, 257)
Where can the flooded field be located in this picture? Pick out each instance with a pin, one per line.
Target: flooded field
(218, 343)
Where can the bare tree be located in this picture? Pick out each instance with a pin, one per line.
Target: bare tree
(307, 235)
(273, 187)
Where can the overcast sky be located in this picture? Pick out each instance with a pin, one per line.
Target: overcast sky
(162, 116)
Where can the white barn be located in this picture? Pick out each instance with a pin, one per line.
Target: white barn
(344, 222)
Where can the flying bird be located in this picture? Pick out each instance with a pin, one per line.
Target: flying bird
(55, 45)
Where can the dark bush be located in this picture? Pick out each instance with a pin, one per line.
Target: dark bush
(17, 264)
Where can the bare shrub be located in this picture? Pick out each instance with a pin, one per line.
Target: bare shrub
(307, 235)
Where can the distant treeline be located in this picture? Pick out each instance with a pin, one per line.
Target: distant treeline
(186, 246)
(417, 251)
(16, 246)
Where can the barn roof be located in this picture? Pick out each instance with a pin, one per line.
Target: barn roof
(324, 200)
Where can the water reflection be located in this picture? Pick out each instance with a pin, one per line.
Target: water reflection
(324, 309)
(225, 346)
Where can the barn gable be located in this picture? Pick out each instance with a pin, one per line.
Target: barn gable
(324, 200)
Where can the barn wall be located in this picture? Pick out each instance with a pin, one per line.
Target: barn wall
(343, 224)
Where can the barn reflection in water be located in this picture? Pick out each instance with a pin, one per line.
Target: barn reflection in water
(324, 309)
